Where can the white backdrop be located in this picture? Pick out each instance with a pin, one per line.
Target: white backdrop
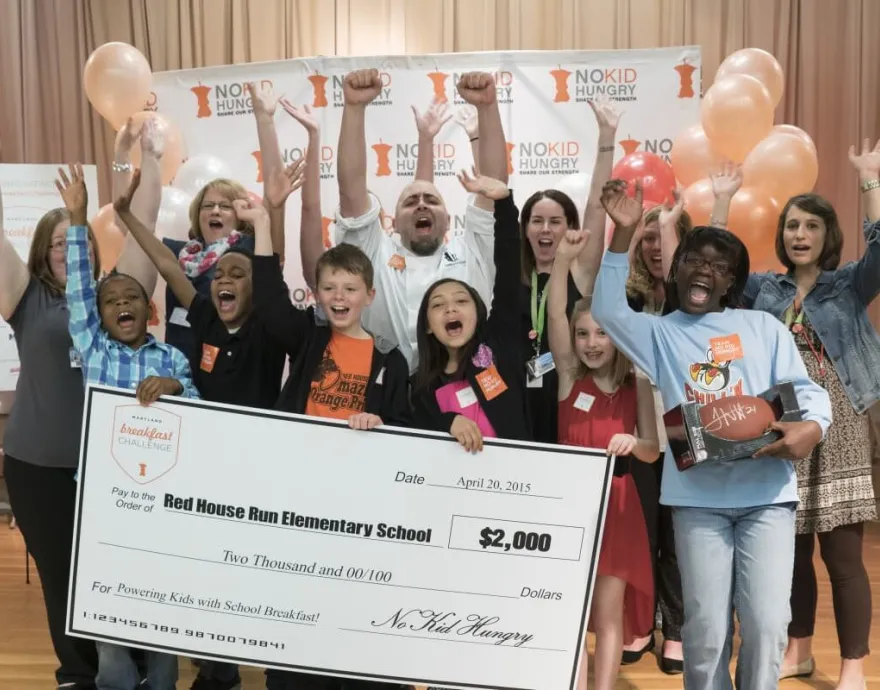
(28, 192)
(548, 124)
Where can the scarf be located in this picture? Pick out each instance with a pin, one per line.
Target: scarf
(195, 259)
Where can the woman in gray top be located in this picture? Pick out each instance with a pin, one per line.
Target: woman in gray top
(43, 431)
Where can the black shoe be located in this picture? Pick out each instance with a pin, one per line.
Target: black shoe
(671, 667)
(202, 683)
(234, 684)
(630, 657)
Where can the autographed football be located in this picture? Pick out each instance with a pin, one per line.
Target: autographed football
(737, 418)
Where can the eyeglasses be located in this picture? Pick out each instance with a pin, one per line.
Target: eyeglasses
(209, 206)
(58, 246)
(719, 267)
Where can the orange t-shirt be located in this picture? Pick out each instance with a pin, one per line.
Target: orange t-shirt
(339, 385)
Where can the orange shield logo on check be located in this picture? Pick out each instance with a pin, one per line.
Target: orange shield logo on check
(145, 441)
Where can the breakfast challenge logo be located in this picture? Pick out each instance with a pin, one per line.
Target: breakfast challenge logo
(659, 146)
(588, 83)
(292, 153)
(544, 157)
(444, 82)
(145, 441)
(401, 160)
(224, 99)
(327, 91)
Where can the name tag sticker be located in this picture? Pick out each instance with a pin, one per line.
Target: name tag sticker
(178, 317)
(491, 383)
(584, 402)
(209, 357)
(466, 397)
(76, 360)
(726, 348)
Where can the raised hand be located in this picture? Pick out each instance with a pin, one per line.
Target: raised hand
(255, 214)
(867, 163)
(127, 136)
(625, 211)
(285, 182)
(432, 120)
(488, 187)
(669, 215)
(361, 87)
(727, 181)
(467, 433)
(73, 191)
(571, 244)
(303, 115)
(123, 203)
(466, 117)
(152, 139)
(263, 99)
(477, 88)
(607, 114)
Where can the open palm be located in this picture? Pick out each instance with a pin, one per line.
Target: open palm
(486, 186)
(625, 211)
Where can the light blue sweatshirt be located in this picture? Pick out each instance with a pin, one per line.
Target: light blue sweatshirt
(676, 353)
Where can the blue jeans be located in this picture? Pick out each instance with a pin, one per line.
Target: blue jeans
(742, 559)
(117, 670)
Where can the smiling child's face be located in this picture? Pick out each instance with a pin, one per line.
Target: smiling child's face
(232, 289)
(124, 310)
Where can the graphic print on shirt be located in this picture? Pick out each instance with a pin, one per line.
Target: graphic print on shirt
(712, 379)
(336, 390)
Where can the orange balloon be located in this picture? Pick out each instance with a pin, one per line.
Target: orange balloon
(753, 217)
(117, 79)
(736, 113)
(173, 154)
(699, 199)
(109, 236)
(782, 165)
(756, 63)
(692, 156)
(797, 132)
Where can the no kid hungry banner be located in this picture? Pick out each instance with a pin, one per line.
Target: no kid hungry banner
(550, 130)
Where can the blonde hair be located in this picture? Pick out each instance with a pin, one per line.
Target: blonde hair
(41, 244)
(232, 190)
(640, 283)
(621, 367)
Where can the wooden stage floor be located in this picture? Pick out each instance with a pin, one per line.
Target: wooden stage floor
(27, 661)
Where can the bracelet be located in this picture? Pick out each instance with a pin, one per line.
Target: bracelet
(120, 167)
(869, 185)
(606, 149)
(473, 139)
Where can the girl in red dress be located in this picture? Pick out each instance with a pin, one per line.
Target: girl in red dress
(602, 404)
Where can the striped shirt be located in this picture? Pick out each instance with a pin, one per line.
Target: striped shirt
(103, 359)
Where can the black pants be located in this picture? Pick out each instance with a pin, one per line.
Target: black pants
(658, 519)
(43, 501)
(289, 680)
(841, 551)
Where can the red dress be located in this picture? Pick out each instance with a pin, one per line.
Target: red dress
(625, 551)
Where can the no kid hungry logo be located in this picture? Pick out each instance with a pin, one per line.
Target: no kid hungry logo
(224, 99)
(401, 160)
(328, 90)
(443, 83)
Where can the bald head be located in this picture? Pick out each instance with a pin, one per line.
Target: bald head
(421, 218)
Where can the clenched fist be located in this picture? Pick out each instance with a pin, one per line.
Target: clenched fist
(477, 88)
(361, 87)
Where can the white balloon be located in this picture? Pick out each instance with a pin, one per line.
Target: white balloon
(173, 221)
(199, 171)
(577, 186)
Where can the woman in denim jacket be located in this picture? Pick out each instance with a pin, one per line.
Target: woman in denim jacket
(825, 307)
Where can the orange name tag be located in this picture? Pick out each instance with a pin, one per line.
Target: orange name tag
(397, 262)
(491, 383)
(726, 348)
(209, 357)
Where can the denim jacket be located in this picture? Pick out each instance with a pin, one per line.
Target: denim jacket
(836, 308)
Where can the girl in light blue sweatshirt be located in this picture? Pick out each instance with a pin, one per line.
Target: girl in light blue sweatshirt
(734, 521)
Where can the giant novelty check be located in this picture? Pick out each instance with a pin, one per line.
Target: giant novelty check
(277, 540)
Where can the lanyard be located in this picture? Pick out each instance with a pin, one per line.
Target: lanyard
(796, 324)
(538, 312)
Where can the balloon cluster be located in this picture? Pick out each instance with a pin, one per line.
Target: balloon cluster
(118, 81)
(737, 125)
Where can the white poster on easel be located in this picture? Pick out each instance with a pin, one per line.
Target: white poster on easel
(28, 192)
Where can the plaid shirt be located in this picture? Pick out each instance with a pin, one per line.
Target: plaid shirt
(105, 360)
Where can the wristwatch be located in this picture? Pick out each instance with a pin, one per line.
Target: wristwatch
(121, 167)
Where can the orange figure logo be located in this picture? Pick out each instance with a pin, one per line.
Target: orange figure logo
(319, 86)
(258, 156)
(561, 76)
(142, 467)
(383, 164)
(201, 92)
(686, 75)
(325, 231)
(510, 148)
(438, 79)
(629, 145)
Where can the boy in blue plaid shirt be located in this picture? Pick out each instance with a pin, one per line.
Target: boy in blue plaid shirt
(108, 326)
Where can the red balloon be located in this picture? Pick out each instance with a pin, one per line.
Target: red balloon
(658, 179)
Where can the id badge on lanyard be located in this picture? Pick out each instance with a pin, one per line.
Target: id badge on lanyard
(540, 364)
